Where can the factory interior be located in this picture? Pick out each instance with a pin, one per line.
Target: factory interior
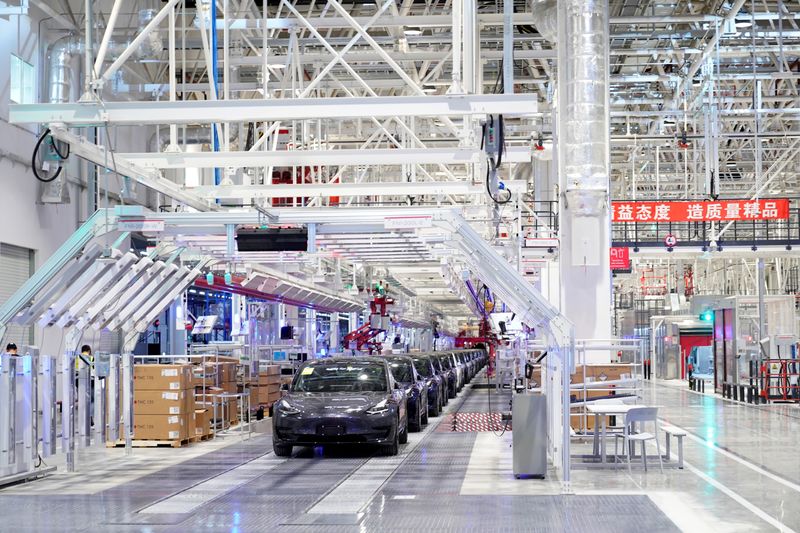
(399, 265)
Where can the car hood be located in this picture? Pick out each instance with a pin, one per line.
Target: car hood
(334, 402)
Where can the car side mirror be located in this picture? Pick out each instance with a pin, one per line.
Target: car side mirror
(285, 387)
(396, 385)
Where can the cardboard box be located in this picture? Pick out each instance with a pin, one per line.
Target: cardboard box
(200, 381)
(233, 411)
(228, 407)
(202, 422)
(160, 427)
(269, 379)
(162, 377)
(231, 388)
(228, 372)
(273, 395)
(146, 402)
(272, 370)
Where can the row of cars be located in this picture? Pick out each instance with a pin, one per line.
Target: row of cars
(369, 400)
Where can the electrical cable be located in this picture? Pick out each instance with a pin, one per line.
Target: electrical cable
(55, 147)
(34, 162)
(114, 163)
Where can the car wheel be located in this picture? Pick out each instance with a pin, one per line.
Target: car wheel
(403, 438)
(282, 450)
(451, 393)
(417, 424)
(436, 407)
(393, 448)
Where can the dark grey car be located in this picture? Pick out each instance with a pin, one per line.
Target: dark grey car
(343, 400)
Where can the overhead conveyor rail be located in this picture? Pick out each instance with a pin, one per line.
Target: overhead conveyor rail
(294, 289)
(91, 283)
(145, 288)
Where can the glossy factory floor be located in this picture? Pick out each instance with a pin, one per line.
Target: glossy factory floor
(742, 474)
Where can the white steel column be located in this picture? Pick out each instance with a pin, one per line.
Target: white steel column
(583, 152)
(471, 35)
(458, 21)
(173, 128)
(508, 46)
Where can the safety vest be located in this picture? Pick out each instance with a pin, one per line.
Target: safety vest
(89, 358)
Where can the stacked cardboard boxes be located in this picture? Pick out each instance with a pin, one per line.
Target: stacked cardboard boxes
(220, 408)
(267, 389)
(163, 402)
(595, 389)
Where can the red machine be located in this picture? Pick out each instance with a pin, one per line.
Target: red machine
(486, 337)
(365, 337)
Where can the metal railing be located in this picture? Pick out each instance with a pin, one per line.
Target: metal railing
(740, 233)
(543, 222)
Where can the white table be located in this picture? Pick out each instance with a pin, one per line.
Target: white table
(601, 411)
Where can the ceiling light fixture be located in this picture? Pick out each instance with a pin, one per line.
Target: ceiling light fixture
(412, 30)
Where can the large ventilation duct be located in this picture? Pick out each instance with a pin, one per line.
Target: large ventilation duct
(153, 45)
(60, 69)
(545, 18)
(60, 76)
(583, 164)
(583, 105)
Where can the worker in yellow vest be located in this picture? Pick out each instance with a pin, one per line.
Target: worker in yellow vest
(85, 356)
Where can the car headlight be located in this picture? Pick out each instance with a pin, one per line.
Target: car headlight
(409, 390)
(287, 408)
(379, 408)
(430, 382)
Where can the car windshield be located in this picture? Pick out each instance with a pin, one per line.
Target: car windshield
(423, 367)
(401, 370)
(358, 376)
(446, 363)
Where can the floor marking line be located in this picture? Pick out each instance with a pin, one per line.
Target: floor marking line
(376, 471)
(714, 396)
(774, 522)
(789, 484)
(201, 493)
(728, 492)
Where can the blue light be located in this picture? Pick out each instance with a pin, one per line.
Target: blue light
(228, 278)
(707, 316)
(210, 278)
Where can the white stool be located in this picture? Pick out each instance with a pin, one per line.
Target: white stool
(672, 431)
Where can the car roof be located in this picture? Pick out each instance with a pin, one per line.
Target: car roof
(395, 357)
(339, 360)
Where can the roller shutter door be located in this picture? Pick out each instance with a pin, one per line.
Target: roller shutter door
(16, 266)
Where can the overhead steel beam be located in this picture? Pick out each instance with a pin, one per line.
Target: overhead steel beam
(322, 158)
(443, 21)
(206, 112)
(311, 190)
(58, 17)
(301, 158)
(149, 178)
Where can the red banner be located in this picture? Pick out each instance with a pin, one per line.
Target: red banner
(620, 258)
(700, 211)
